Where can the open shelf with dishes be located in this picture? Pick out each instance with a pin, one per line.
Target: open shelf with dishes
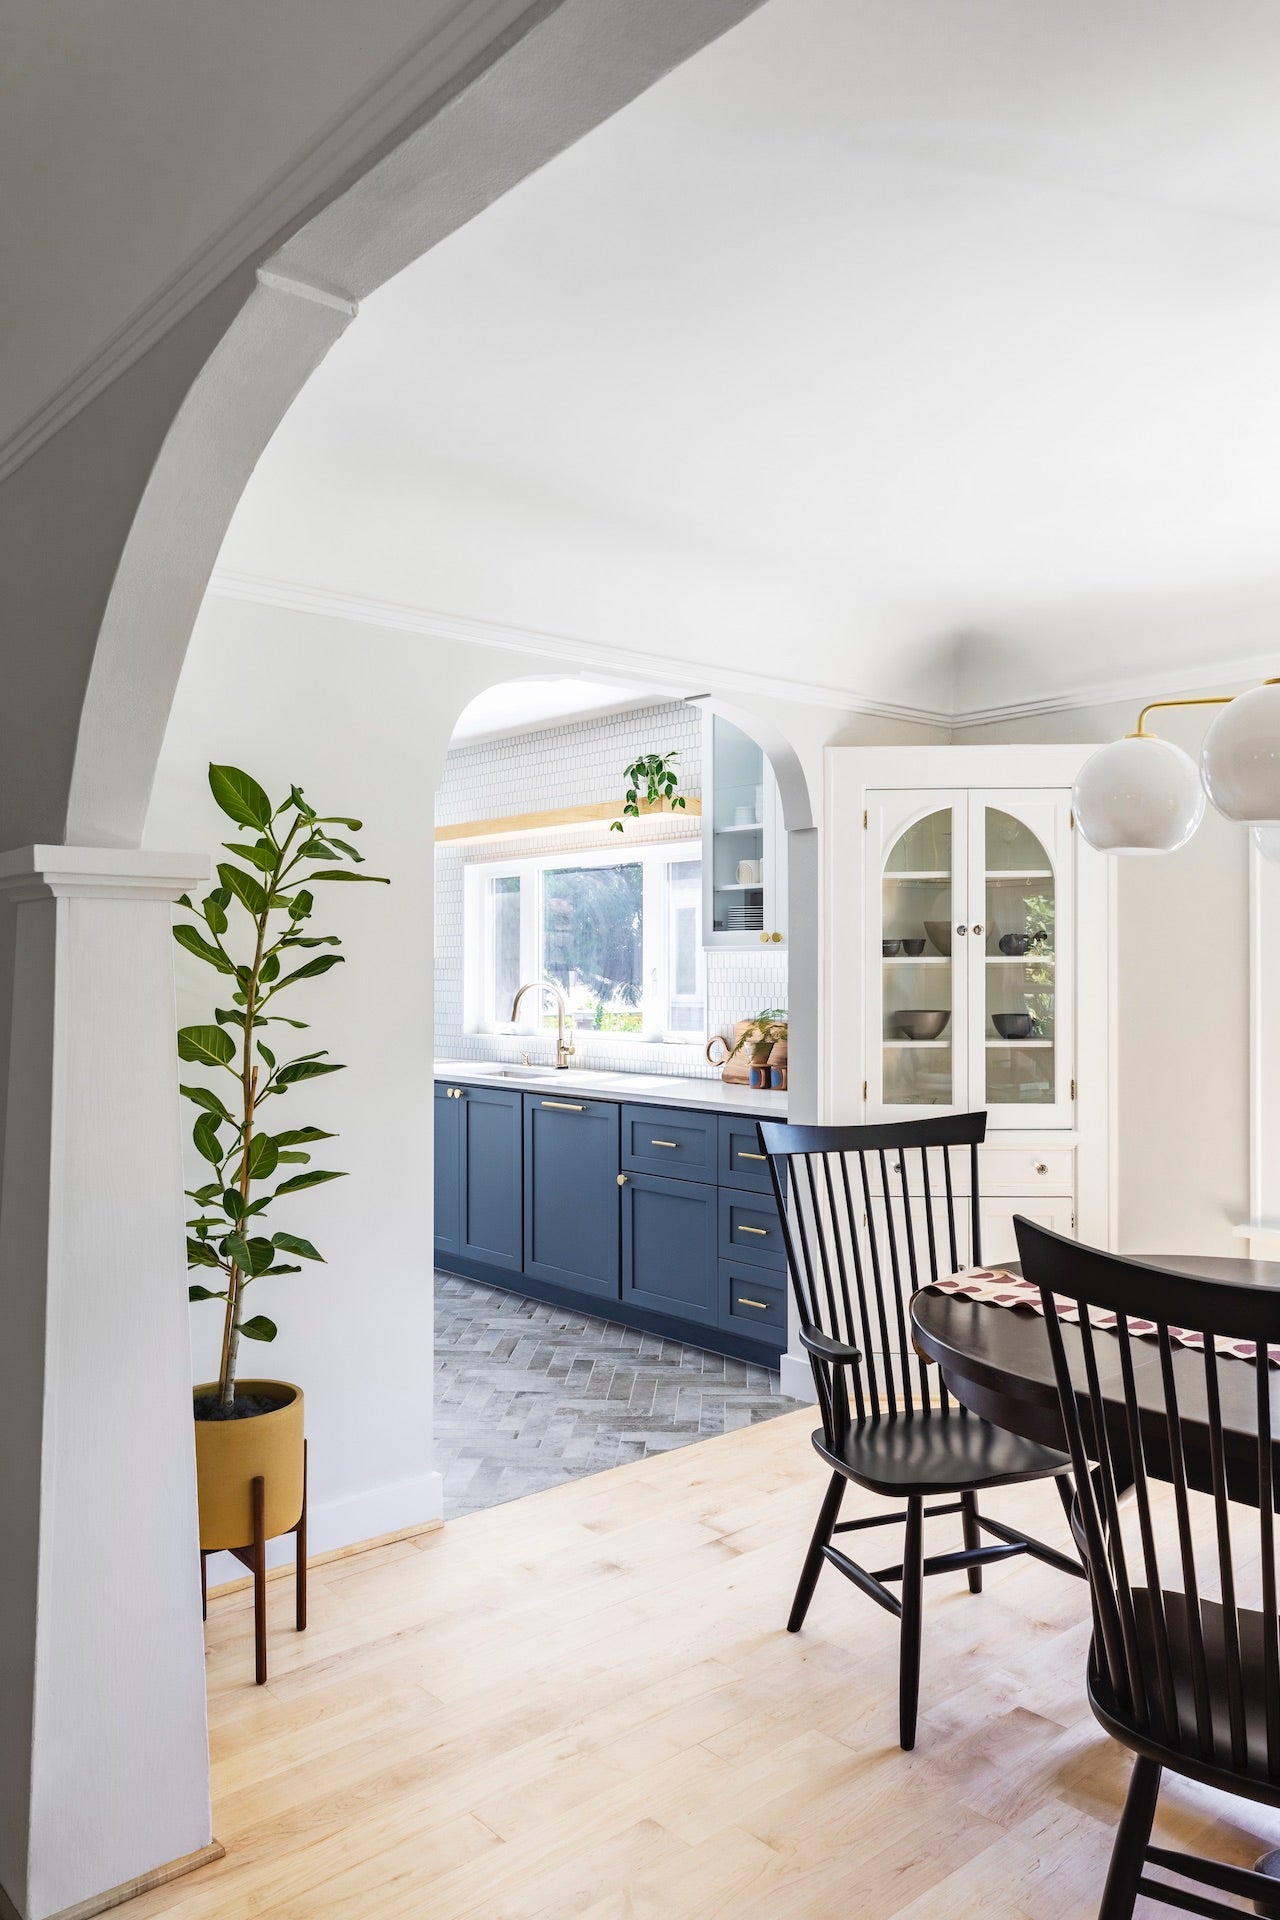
(743, 842)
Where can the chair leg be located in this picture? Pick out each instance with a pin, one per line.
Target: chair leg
(300, 1556)
(828, 1514)
(972, 1535)
(1133, 1836)
(912, 1610)
(259, 1490)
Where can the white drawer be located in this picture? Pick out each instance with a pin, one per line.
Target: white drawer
(1026, 1170)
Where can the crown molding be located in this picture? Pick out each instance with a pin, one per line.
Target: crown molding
(683, 675)
(1138, 689)
(385, 112)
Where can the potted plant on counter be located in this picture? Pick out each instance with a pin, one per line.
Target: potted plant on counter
(252, 929)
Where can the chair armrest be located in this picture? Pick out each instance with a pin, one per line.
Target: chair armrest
(827, 1349)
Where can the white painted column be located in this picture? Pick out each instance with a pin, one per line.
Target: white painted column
(104, 1770)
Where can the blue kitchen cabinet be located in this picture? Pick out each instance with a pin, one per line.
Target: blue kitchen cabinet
(571, 1165)
(669, 1260)
(492, 1185)
(448, 1172)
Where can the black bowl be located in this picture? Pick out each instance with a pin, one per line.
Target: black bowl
(913, 947)
(922, 1023)
(1015, 944)
(1013, 1026)
(890, 947)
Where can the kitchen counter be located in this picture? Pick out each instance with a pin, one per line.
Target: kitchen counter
(649, 1089)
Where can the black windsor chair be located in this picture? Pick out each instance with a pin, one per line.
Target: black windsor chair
(869, 1215)
(1186, 1678)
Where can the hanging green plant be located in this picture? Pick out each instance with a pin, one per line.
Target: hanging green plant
(656, 774)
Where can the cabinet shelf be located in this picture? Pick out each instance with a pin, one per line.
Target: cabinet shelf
(741, 826)
(1020, 1043)
(739, 886)
(1020, 959)
(934, 879)
(1018, 873)
(916, 959)
(917, 1043)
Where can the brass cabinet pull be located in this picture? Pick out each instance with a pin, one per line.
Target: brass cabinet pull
(744, 1155)
(760, 1230)
(622, 1179)
(1041, 1167)
(664, 1143)
(743, 1301)
(565, 1106)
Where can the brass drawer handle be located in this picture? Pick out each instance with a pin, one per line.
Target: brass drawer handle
(565, 1106)
(664, 1143)
(744, 1155)
(743, 1301)
(762, 1231)
(622, 1179)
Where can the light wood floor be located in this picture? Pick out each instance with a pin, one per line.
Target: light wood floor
(584, 1704)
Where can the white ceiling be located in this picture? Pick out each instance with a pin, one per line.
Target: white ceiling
(522, 706)
(923, 349)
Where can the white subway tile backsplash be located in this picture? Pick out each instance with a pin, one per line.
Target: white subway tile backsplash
(569, 766)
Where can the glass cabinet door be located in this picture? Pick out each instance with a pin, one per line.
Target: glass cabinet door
(739, 838)
(1020, 855)
(918, 957)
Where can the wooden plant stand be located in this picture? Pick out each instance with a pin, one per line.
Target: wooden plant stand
(254, 1556)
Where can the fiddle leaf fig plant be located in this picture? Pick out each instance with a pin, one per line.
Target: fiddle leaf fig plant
(261, 909)
(655, 773)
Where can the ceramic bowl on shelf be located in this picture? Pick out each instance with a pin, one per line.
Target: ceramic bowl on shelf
(1014, 944)
(1013, 1026)
(914, 947)
(922, 1023)
(890, 947)
(939, 932)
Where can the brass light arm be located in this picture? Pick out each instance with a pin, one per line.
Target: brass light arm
(1201, 700)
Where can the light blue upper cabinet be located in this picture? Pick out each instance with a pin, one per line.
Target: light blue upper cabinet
(744, 844)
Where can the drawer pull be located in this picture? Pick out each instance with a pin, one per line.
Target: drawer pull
(565, 1106)
(762, 1231)
(622, 1179)
(1041, 1167)
(664, 1143)
(744, 1155)
(743, 1301)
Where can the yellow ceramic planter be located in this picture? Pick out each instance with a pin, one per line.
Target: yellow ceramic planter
(230, 1454)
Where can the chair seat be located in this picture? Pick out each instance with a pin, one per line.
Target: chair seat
(1183, 1738)
(936, 1452)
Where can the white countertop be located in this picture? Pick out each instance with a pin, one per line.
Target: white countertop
(649, 1089)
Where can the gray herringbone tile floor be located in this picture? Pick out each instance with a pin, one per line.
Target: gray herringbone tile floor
(528, 1395)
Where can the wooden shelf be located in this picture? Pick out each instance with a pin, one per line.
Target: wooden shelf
(600, 813)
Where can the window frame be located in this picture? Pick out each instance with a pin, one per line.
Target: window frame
(655, 859)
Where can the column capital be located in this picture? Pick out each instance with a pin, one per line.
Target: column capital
(102, 873)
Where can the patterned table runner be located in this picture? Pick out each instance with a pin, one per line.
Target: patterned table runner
(1000, 1289)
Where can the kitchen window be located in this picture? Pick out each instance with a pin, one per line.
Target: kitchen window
(619, 933)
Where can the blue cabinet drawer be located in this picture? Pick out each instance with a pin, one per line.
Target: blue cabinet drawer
(672, 1142)
(752, 1303)
(669, 1247)
(750, 1230)
(742, 1164)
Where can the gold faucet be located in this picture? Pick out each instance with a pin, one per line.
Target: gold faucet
(563, 1050)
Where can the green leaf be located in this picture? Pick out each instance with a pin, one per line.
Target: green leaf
(195, 942)
(201, 1254)
(346, 847)
(261, 1254)
(263, 1154)
(233, 1202)
(280, 1020)
(290, 1243)
(305, 1070)
(311, 940)
(269, 969)
(261, 854)
(266, 1053)
(279, 1268)
(205, 1135)
(296, 1159)
(236, 1248)
(215, 913)
(204, 1196)
(316, 848)
(340, 820)
(209, 1045)
(259, 1328)
(345, 873)
(206, 1099)
(224, 1014)
(301, 1180)
(312, 969)
(297, 799)
(296, 1135)
(239, 796)
(243, 885)
(203, 1293)
(301, 904)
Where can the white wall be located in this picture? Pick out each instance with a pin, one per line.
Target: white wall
(1182, 1011)
(568, 766)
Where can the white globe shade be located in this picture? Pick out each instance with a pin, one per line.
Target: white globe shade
(1240, 758)
(1140, 795)
(1267, 840)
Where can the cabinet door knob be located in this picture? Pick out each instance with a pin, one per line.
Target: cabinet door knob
(776, 938)
(622, 1179)
(977, 926)
(962, 930)
(765, 938)
(1041, 1167)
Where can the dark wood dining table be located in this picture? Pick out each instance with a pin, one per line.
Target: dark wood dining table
(996, 1361)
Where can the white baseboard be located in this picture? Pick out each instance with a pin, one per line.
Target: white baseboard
(344, 1523)
(796, 1377)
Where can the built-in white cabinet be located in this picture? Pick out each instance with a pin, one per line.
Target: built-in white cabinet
(744, 843)
(969, 968)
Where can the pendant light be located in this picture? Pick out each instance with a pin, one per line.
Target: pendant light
(1144, 795)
